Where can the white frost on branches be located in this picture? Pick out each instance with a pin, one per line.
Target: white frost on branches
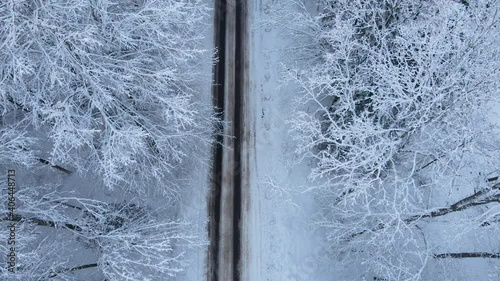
(128, 241)
(112, 83)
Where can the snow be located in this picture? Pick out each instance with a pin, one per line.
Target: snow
(282, 243)
(280, 240)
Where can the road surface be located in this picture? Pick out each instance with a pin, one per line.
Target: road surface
(230, 161)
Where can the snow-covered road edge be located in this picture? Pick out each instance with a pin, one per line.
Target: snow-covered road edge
(278, 240)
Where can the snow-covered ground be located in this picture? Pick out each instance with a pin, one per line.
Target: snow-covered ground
(193, 207)
(282, 243)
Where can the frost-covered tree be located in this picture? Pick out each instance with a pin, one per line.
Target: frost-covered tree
(12, 142)
(112, 84)
(391, 72)
(65, 236)
(395, 109)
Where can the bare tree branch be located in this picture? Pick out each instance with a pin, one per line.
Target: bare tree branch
(467, 255)
(72, 269)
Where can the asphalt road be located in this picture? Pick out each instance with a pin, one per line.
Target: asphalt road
(229, 173)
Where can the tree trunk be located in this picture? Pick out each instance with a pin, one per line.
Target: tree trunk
(61, 271)
(41, 222)
(460, 205)
(468, 255)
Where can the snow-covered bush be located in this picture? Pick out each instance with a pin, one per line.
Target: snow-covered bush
(111, 83)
